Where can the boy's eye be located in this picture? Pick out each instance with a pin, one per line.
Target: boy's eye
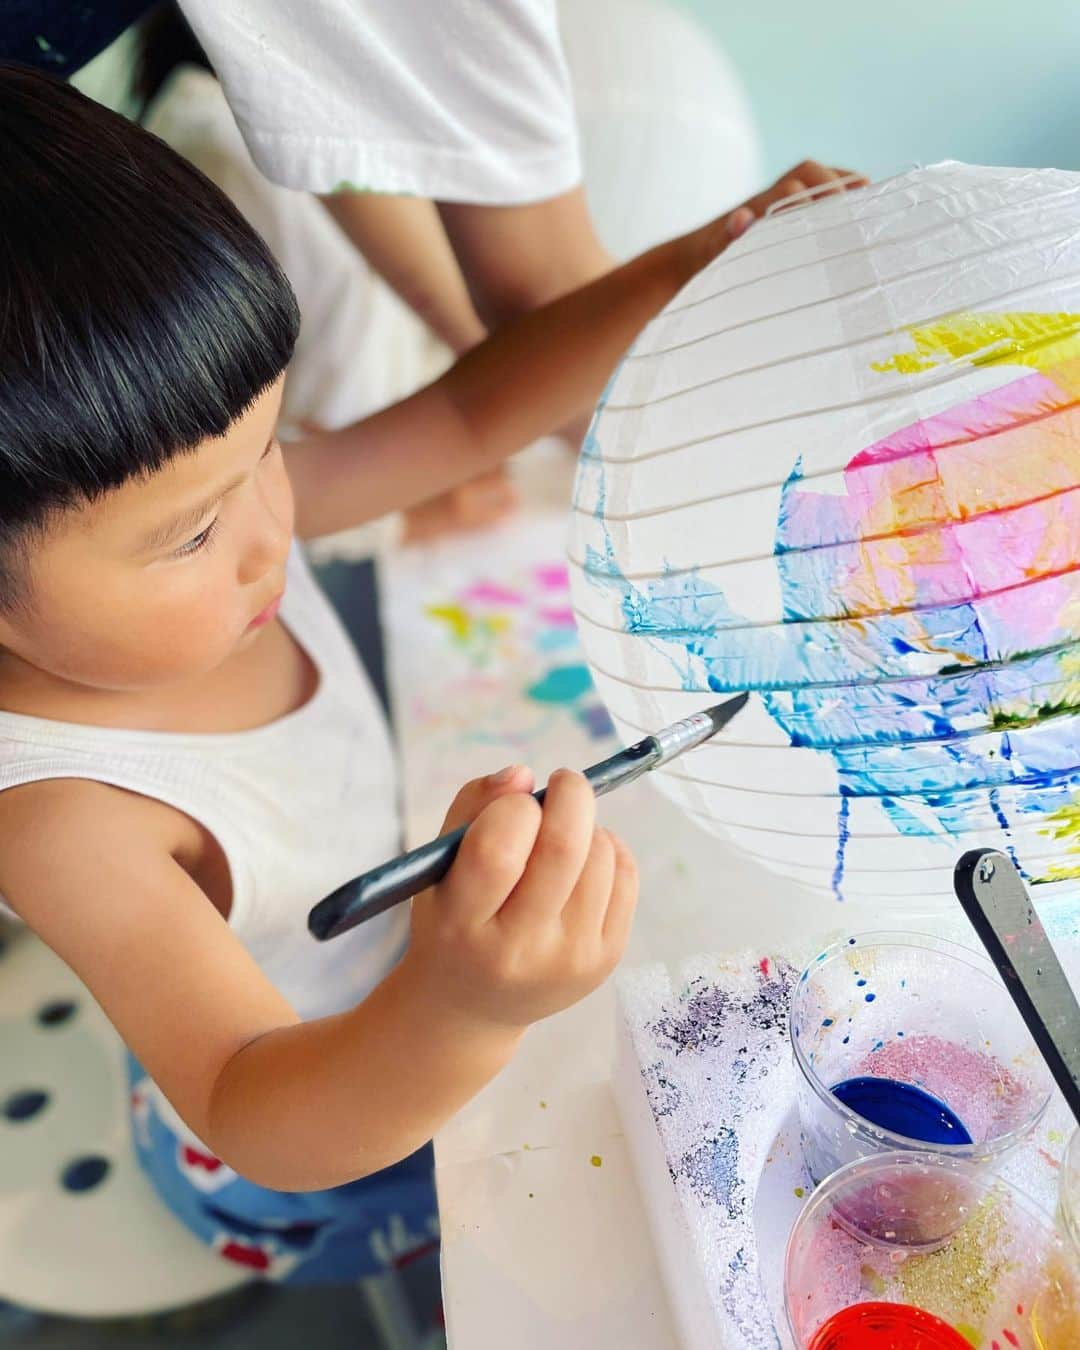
(199, 542)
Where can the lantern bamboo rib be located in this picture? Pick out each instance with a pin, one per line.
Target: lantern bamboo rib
(962, 366)
(870, 683)
(1034, 203)
(810, 478)
(810, 869)
(859, 617)
(965, 734)
(897, 394)
(785, 831)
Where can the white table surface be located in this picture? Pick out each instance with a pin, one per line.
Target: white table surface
(541, 1247)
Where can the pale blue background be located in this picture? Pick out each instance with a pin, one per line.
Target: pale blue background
(879, 84)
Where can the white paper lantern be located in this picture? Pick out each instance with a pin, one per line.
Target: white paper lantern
(842, 470)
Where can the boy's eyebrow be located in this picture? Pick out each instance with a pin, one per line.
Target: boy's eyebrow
(179, 525)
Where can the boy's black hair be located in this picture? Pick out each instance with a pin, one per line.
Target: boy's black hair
(139, 313)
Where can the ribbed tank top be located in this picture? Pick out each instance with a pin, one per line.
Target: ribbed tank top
(298, 806)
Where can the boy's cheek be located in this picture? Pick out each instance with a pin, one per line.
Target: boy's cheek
(125, 645)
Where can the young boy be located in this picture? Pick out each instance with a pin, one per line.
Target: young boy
(190, 756)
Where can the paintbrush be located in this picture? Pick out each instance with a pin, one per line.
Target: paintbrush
(392, 882)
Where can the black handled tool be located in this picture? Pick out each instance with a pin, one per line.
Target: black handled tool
(401, 878)
(994, 898)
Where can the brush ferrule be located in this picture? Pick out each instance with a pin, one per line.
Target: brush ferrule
(684, 735)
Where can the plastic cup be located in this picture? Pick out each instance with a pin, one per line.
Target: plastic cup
(912, 1251)
(926, 1022)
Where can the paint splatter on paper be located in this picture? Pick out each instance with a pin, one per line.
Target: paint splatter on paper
(715, 1066)
(500, 628)
(485, 663)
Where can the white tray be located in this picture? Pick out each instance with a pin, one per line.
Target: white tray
(705, 1087)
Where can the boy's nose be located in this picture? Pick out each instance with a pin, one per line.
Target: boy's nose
(268, 539)
(266, 552)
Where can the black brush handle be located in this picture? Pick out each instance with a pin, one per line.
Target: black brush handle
(384, 886)
(401, 878)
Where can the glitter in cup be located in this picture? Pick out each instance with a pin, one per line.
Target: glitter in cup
(913, 1251)
(904, 1041)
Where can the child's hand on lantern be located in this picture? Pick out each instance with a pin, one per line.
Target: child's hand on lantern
(810, 177)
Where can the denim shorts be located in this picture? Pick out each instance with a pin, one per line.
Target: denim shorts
(337, 1236)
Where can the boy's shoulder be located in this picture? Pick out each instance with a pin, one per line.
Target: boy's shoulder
(49, 802)
(59, 823)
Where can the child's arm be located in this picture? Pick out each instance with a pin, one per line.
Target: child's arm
(533, 915)
(533, 375)
(404, 241)
(465, 268)
(517, 258)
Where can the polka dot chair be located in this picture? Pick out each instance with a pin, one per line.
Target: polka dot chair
(82, 1232)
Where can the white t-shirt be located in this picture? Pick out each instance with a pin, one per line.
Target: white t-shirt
(457, 100)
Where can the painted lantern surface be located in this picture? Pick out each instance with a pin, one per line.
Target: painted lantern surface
(842, 470)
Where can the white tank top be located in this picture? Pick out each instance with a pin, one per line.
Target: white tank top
(298, 806)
